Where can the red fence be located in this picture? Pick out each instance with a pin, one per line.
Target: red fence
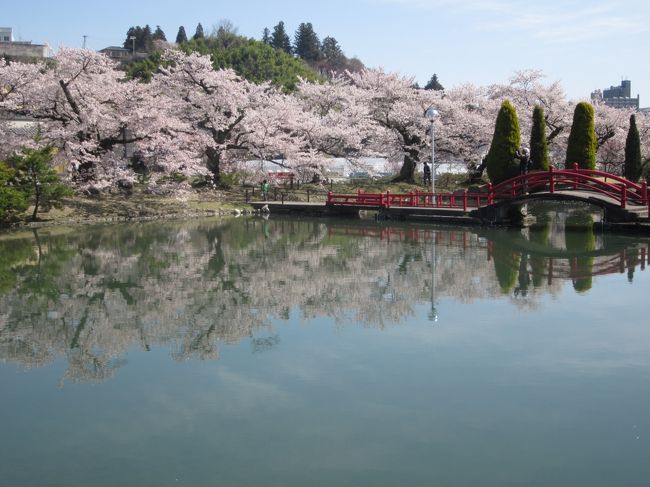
(619, 189)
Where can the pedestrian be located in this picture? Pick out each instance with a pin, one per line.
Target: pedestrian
(426, 174)
(264, 188)
(524, 159)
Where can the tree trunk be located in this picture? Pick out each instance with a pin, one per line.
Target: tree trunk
(37, 200)
(407, 171)
(214, 164)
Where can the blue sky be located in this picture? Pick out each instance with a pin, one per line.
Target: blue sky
(584, 45)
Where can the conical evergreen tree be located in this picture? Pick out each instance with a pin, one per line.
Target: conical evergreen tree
(266, 36)
(146, 43)
(199, 33)
(633, 164)
(130, 34)
(159, 35)
(501, 163)
(582, 143)
(181, 36)
(434, 84)
(306, 43)
(280, 39)
(538, 142)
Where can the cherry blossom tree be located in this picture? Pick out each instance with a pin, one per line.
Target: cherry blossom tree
(396, 109)
(86, 107)
(214, 108)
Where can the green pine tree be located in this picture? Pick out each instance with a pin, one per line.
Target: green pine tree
(266, 36)
(306, 43)
(500, 159)
(36, 179)
(12, 200)
(199, 34)
(582, 143)
(181, 36)
(146, 43)
(280, 39)
(538, 141)
(434, 84)
(633, 163)
(159, 35)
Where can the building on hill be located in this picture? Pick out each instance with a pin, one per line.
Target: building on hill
(117, 53)
(19, 49)
(617, 96)
(122, 55)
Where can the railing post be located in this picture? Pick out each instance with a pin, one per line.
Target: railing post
(623, 196)
(329, 197)
(576, 168)
(552, 181)
(282, 196)
(465, 200)
(644, 192)
(247, 199)
(490, 194)
(307, 195)
(387, 199)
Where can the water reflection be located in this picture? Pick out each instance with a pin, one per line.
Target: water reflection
(90, 295)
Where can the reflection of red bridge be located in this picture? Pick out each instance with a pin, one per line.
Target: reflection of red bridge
(596, 187)
(556, 263)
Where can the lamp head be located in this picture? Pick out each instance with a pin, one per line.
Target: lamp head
(431, 113)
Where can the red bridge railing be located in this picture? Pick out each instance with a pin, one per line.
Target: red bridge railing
(619, 189)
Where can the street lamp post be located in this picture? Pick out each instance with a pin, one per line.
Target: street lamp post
(431, 113)
(133, 43)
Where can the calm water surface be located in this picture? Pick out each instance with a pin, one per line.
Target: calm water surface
(275, 352)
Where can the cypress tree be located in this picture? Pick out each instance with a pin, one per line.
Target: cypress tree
(501, 163)
(633, 165)
(181, 36)
(582, 143)
(538, 142)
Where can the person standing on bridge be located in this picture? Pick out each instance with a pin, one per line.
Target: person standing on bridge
(426, 174)
(264, 189)
(524, 159)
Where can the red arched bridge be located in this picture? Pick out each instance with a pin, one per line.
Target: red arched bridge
(621, 199)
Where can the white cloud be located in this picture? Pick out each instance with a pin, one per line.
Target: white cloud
(553, 22)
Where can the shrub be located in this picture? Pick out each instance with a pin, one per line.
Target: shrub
(582, 143)
(538, 142)
(501, 163)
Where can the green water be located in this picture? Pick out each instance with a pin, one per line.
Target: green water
(281, 352)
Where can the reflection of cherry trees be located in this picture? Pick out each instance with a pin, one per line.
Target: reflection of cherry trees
(93, 295)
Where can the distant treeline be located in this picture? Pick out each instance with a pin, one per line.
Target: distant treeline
(273, 58)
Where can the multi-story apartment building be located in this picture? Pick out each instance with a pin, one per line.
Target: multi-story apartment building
(617, 96)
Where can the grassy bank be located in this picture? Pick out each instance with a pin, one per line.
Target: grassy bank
(140, 205)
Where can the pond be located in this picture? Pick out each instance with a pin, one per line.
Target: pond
(285, 352)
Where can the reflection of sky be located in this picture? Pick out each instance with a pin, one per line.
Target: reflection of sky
(506, 391)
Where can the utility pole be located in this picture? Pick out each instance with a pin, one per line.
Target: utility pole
(84, 46)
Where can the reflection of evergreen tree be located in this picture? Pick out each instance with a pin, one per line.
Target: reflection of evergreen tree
(523, 278)
(540, 234)
(580, 237)
(14, 254)
(631, 261)
(506, 266)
